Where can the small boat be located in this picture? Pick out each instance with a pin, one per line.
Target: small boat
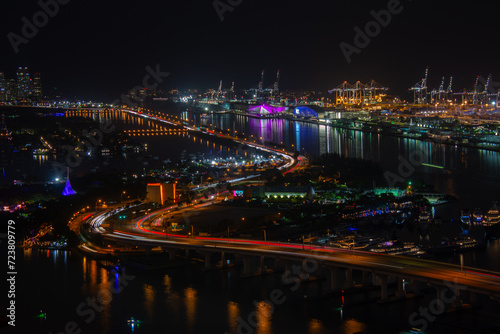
(354, 242)
(395, 247)
(425, 217)
(477, 217)
(454, 245)
(465, 217)
(492, 217)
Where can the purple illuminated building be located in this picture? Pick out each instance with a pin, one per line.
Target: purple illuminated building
(266, 109)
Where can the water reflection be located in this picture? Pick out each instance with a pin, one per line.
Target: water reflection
(167, 283)
(353, 326)
(40, 158)
(149, 300)
(191, 300)
(316, 327)
(173, 300)
(84, 265)
(264, 316)
(93, 272)
(233, 312)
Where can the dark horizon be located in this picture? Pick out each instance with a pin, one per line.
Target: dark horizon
(98, 51)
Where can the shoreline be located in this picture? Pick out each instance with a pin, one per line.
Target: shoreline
(394, 133)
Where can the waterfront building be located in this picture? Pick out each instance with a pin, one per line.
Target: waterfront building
(309, 111)
(10, 89)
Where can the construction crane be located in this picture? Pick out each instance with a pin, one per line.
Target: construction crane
(449, 90)
(487, 85)
(420, 89)
(441, 91)
(475, 91)
(358, 93)
(480, 93)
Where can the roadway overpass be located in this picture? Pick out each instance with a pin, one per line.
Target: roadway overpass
(337, 263)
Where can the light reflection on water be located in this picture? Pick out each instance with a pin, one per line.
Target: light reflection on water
(264, 318)
(173, 299)
(149, 300)
(353, 326)
(168, 302)
(316, 327)
(233, 312)
(191, 300)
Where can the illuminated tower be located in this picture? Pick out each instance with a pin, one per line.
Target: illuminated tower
(68, 191)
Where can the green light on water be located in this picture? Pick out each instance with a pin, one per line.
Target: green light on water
(433, 166)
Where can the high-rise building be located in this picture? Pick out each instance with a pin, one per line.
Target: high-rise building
(3, 88)
(37, 87)
(24, 84)
(11, 89)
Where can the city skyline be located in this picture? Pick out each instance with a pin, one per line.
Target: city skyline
(25, 89)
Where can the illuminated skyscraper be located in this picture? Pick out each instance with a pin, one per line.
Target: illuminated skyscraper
(24, 84)
(37, 87)
(11, 89)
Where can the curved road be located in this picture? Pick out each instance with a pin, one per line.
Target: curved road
(139, 232)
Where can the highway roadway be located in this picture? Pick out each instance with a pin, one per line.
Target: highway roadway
(140, 232)
(291, 163)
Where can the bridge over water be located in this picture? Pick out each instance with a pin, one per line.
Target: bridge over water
(336, 263)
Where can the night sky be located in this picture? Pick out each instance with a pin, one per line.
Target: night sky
(99, 49)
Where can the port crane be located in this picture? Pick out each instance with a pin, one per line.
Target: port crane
(420, 89)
